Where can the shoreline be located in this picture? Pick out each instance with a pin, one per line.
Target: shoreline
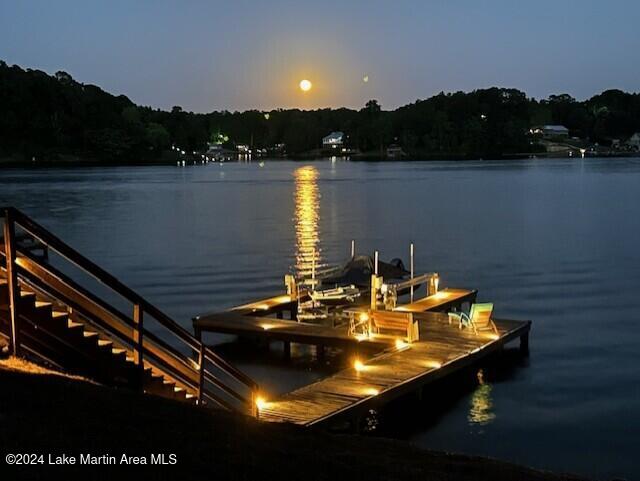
(51, 414)
(5, 164)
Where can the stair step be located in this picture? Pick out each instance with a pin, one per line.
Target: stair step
(89, 334)
(73, 325)
(180, 393)
(57, 314)
(25, 293)
(42, 304)
(117, 351)
(104, 343)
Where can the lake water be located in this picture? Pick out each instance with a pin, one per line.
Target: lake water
(553, 241)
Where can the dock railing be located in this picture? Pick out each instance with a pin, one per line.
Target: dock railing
(202, 370)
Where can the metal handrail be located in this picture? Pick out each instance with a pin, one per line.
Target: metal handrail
(15, 217)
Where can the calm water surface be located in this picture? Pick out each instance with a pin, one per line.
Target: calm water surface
(552, 241)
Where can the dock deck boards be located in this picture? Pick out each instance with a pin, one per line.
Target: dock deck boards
(265, 306)
(230, 322)
(443, 349)
(441, 300)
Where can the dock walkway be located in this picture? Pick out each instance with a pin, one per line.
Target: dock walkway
(230, 322)
(442, 350)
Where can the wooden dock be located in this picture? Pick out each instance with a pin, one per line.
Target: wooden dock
(230, 322)
(351, 393)
(264, 307)
(442, 350)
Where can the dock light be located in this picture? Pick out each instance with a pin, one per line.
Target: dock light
(434, 364)
(400, 344)
(361, 337)
(358, 365)
(261, 403)
(364, 317)
(267, 326)
(494, 336)
(371, 391)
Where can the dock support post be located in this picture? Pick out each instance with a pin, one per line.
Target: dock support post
(524, 343)
(411, 256)
(254, 411)
(375, 260)
(12, 280)
(287, 350)
(201, 368)
(279, 315)
(320, 353)
(138, 340)
(356, 424)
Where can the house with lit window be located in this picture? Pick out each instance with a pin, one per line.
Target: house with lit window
(634, 141)
(334, 140)
(550, 131)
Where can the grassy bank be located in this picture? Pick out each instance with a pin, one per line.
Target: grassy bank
(42, 412)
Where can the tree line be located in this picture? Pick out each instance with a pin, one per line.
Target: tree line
(53, 117)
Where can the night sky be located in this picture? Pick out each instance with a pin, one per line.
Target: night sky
(236, 55)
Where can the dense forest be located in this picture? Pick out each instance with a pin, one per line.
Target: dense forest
(56, 118)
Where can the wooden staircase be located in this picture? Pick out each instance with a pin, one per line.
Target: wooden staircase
(49, 317)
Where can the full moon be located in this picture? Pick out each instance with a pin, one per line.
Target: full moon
(305, 85)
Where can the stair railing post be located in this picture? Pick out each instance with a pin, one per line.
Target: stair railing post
(12, 280)
(138, 340)
(201, 367)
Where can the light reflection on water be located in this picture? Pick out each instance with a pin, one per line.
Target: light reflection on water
(306, 220)
(481, 410)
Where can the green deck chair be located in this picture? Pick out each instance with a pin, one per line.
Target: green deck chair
(479, 318)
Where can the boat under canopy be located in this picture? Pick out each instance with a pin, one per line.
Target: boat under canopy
(358, 272)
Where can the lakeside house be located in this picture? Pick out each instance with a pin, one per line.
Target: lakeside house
(550, 131)
(634, 141)
(333, 141)
(214, 148)
(394, 151)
